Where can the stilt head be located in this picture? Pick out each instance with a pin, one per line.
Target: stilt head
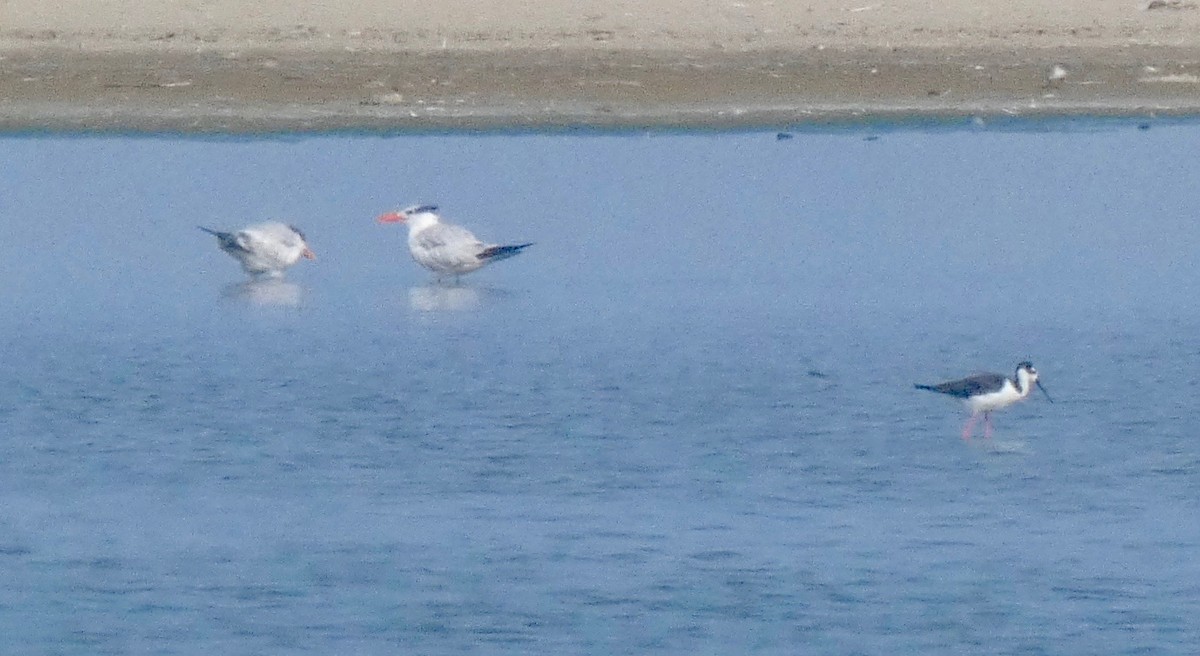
(1027, 377)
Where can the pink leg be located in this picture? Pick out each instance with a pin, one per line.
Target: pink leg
(968, 428)
(987, 426)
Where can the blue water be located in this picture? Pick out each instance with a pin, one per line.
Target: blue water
(682, 422)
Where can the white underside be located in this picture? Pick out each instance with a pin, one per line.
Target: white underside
(997, 400)
(268, 249)
(443, 248)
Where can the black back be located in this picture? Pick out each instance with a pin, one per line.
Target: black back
(969, 386)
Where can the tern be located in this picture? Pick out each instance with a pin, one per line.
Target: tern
(444, 248)
(264, 249)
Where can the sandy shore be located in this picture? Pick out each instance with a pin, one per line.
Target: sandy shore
(223, 65)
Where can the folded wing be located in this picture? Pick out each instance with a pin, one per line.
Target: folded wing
(448, 248)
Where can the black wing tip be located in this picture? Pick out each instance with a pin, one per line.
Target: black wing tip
(227, 240)
(503, 252)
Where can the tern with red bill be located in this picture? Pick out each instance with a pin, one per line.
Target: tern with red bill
(444, 248)
(985, 393)
(264, 249)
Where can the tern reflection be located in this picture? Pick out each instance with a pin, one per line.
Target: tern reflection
(265, 291)
(443, 298)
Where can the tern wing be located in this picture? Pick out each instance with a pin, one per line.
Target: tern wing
(447, 247)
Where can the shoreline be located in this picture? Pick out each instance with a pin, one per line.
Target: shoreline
(223, 67)
(307, 91)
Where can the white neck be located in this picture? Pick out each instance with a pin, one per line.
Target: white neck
(1024, 383)
(418, 222)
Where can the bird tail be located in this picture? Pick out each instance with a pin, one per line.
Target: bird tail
(216, 233)
(228, 240)
(497, 253)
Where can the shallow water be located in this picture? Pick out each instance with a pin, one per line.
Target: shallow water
(683, 421)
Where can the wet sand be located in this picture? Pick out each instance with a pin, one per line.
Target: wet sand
(218, 67)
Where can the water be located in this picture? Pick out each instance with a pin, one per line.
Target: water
(682, 422)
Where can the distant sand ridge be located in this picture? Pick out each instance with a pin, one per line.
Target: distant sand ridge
(225, 65)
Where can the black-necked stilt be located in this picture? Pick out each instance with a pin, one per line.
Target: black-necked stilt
(984, 393)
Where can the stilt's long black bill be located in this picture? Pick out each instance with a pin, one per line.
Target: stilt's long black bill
(1041, 387)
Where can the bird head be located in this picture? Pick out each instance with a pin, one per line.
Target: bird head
(1027, 375)
(307, 253)
(403, 216)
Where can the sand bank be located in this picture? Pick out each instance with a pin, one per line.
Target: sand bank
(221, 65)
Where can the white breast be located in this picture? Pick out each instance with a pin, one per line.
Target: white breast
(1002, 398)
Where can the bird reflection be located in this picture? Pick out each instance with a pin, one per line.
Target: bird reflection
(265, 291)
(443, 298)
